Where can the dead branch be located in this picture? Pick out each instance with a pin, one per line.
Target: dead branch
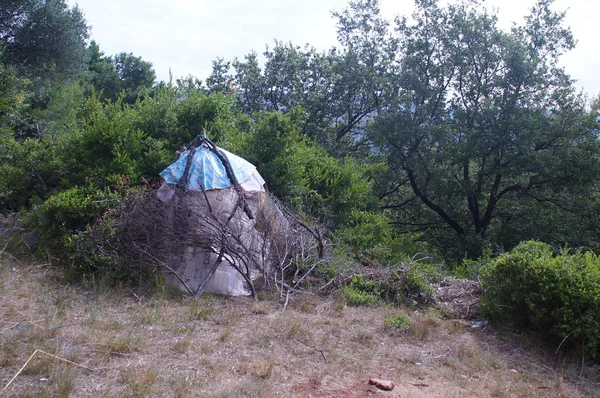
(31, 357)
(321, 351)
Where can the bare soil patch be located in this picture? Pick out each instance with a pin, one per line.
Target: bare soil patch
(162, 346)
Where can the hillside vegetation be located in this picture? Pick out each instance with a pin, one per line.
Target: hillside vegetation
(432, 146)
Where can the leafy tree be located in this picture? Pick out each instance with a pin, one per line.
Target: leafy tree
(135, 74)
(102, 74)
(365, 69)
(486, 127)
(13, 96)
(44, 38)
(250, 81)
(122, 74)
(339, 89)
(300, 171)
(220, 81)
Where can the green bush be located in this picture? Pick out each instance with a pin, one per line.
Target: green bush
(68, 212)
(398, 322)
(557, 296)
(355, 297)
(407, 284)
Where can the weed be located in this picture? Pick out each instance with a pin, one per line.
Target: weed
(8, 354)
(65, 384)
(139, 381)
(40, 365)
(306, 303)
(262, 369)
(412, 358)
(355, 297)
(229, 317)
(181, 388)
(225, 336)
(61, 303)
(364, 337)
(397, 322)
(424, 325)
(259, 308)
(263, 339)
(455, 326)
(181, 346)
(477, 359)
(121, 344)
(296, 330)
(339, 303)
(149, 316)
(200, 311)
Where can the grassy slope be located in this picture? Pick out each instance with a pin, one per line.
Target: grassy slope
(228, 347)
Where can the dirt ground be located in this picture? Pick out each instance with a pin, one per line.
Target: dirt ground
(110, 343)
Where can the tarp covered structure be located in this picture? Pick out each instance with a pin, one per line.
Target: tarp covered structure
(229, 224)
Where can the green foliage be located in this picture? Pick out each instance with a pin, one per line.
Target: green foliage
(213, 114)
(471, 269)
(101, 76)
(95, 252)
(443, 128)
(397, 322)
(13, 94)
(408, 284)
(108, 147)
(123, 75)
(371, 237)
(27, 170)
(44, 39)
(480, 132)
(299, 171)
(68, 212)
(356, 297)
(556, 295)
(487, 138)
(136, 76)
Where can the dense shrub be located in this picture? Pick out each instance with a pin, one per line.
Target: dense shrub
(556, 295)
(356, 297)
(68, 212)
(408, 283)
(28, 170)
(300, 172)
(397, 322)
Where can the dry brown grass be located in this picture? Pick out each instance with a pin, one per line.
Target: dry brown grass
(236, 347)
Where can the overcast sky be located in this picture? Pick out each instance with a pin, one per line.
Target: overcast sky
(184, 36)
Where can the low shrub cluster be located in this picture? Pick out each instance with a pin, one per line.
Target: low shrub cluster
(68, 212)
(398, 322)
(555, 295)
(407, 283)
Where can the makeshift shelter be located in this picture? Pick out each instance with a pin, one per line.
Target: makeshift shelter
(229, 231)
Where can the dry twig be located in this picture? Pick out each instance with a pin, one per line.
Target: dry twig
(31, 357)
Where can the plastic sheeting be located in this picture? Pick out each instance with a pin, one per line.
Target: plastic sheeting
(198, 261)
(207, 169)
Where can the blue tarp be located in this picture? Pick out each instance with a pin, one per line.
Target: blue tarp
(206, 168)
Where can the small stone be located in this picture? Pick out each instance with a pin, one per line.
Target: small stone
(514, 370)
